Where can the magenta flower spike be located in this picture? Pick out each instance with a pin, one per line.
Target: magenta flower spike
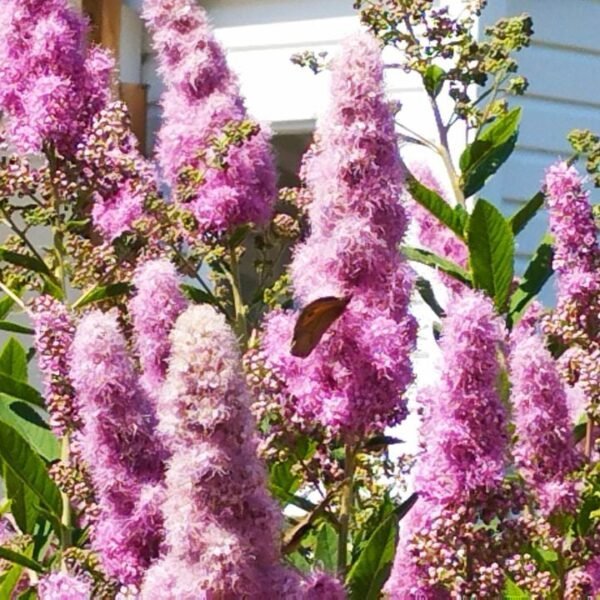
(157, 303)
(355, 380)
(119, 445)
(54, 331)
(201, 100)
(222, 527)
(544, 452)
(51, 83)
(463, 435)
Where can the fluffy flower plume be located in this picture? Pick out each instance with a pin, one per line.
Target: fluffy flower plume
(51, 84)
(222, 528)
(464, 439)
(202, 91)
(154, 308)
(63, 586)
(544, 452)
(54, 331)
(571, 220)
(121, 179)
(576, 319)
(355, 379)
(119, 445)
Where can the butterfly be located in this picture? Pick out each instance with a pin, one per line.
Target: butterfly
(314, 320)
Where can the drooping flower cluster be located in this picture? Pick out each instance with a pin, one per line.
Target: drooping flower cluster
(61, 585)
(354, 381)
(222, 529)
(544, 452)
(220, 166)
(119, 446)
(122, 180)
(51, 84)
(576, 319)
(154, 309)
(54, 331)
(459, 474)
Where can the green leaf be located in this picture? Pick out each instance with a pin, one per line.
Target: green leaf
(437, 262)
(426, 292)
(197, 295)
(15, 328)
(298, 560)
(326, 549)
(491, 252)
(239, 235)
(28, 423)
(23, 502)
(368, 574)
(513, 592)
(13, 360)
(520, 219)
(21, 390)
(489, 151)
(6, 305)
(24, 260)
(102, 292)
(27, 466)
(9, 581)
(455, 218)
(370, 571)
(20, 559)
(536, 275)
(433, 80)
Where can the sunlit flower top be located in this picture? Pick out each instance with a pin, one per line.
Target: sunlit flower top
(354, 381)
(51, 83)
(201, 101)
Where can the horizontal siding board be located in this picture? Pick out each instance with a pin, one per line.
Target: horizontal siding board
(563, 75)
(565, 22)
(546, 123)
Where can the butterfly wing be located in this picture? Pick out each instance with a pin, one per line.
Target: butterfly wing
(314, 320)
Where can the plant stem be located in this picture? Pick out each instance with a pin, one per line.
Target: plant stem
(240, 325)
(65, 452)
(346, 509)
(589, 438)
(13, 297)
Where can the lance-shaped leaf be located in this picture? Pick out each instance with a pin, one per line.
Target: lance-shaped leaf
(20, 559)
(455, 218)
(28, 423)
(433, 80)
(489, 151)
(21, 390)
(536, 275)
(326, 548)
(520, 219)
(491, 252)
(437, 262)
(15, 328)
(102, 292)
(372, 568)
(13, 360)
(29, 468)
(24, 260)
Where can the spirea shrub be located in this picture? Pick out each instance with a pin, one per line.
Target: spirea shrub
(222, 368)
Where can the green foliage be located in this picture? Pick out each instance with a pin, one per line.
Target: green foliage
(491, 252)
(326, 548)
(521, 218)
(454, 218)
(13, 360)
(370, 571)
(536, 275)
(437, 262)
(104, 292)
(26, 466)
(481, 159)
